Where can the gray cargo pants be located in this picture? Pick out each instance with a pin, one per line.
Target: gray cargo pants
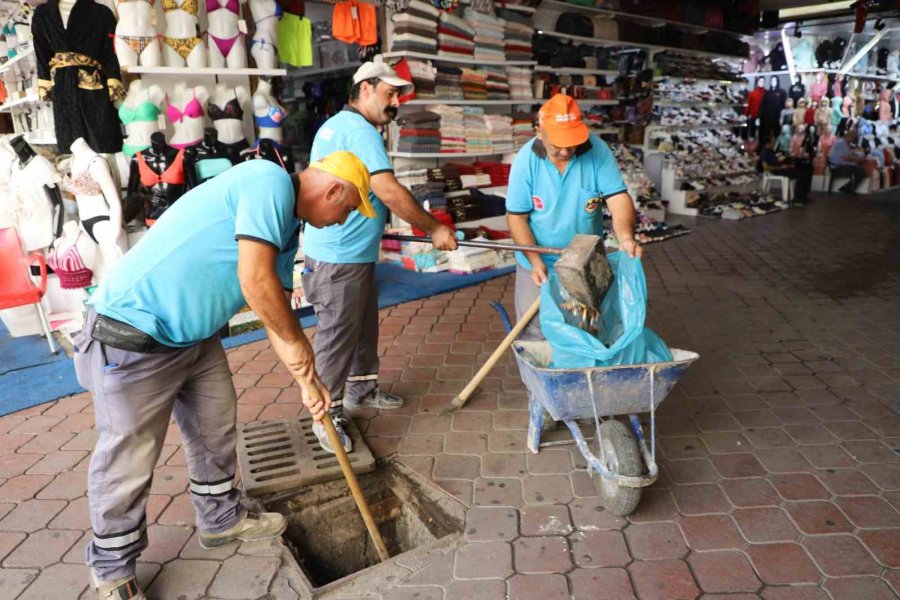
(135, 395)
(345, 299)
(526, 294)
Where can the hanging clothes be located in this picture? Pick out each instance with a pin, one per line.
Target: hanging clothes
(355, 23)
(77, 62)
(295, 40)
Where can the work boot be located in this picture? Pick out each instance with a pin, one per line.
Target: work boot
(319, 430)
(124, 588)
(377, 399)
(251, 528)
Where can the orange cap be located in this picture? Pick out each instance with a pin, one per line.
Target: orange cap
(560, 120)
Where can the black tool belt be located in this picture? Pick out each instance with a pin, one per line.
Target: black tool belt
(123, 336)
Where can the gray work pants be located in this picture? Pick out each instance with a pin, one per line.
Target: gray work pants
(526, 293)
(135, 395)
(345, 299)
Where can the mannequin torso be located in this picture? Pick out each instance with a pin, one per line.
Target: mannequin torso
(226, 43)
(160, 171)
(207, 159)
(35, 182)
(73, 253)
(267, 113)
(265, 19)
(140, 113)
(136, 42)
(182, 45)
(185, 112)
(226, 109)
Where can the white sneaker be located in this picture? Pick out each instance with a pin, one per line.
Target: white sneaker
(319, 430)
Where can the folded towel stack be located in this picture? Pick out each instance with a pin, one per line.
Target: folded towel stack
(523, 128)
(477, 138)
(474, 84)
(497, 83)
(419, 132)
(500, 132)
(448, 82)
(452, 128)
(424, 77)
(489, 35)
(456, 37)
(415, 29)
(517, 34)
(498, 172)
(519, 82)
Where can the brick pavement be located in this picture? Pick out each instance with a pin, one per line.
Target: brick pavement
(780, 476)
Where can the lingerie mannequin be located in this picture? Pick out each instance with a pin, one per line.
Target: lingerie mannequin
(99, 204)
(39, 207)
(181, 45)
(799, 117)
(884, 104)
(136, 42)
(819, 88)
(226, 43)
(226, 110)
(267, 113)
(770, 111)
(823, 116)
(84, 78)
(207, 159)
(140, 114)
(797, 91)
(787, 115)
(73, 257)
(160, 171)
(263, 45)
(797, 141)
(185, 112)
(809, 119)
(272, 151)
(754, 101)
(783, 143)
(836, 114)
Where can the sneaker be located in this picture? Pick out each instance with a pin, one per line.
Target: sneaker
(319, 430)
(124, 588)
(378, 399)
(253, 527)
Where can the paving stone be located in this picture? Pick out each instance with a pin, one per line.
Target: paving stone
(488, 589)
(700, 499)
(683, 447)
(783, 460)
(166, 542)
(13, 465)
(491, 524)
(850, 431)
(23, 487)
(547, 554)
(421, 444)
(655, 505)
(663, 580)
(799, 486)
(76, 515)
(31, 515)
(457, 466)
(768, 524)
(615, 584)
(599, 549)
(179, 511)
(655, 540)
(588, 514)
(549, 461)
(885, 476)
(57, 462)
(458, 488)
(754, 491)
(817, 517)
(711, 532)
(827, 456)
(42, 548)
(244, 577)
(841, 555)
(794, 592)
(738, 465)
(852, 588)
(65, 486)
(547, 489)
(498, 492)
(697, 470)
(13, 581)
(870, 452)
(60, 581)
(541, 519)
(846, 482)
(184, 579)
(726, 442)
(769, 437)
(783, 563)
(193, 550)
(869, 512)
(884, 546)
(723, 572)
(466, 442)
(484, 560)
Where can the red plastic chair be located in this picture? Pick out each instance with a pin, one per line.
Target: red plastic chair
(16, 286)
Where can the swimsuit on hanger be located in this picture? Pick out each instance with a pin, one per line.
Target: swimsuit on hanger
(183, 46)
(173, 175)
(231, 110)
(224, 44)
(193, 109)
(69, 266)
(188, 6)
(146, 111)
(272, 118)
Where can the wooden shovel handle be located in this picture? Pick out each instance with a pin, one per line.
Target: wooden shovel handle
(350, 476)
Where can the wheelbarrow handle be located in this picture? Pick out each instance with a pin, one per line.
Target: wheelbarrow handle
(476, 244)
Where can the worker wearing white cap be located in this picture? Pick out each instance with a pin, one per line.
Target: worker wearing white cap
(339, 278)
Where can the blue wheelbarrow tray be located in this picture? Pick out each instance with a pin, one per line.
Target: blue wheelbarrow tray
(596, 393)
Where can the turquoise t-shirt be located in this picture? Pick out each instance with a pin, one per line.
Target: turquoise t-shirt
(179, 284)
(358, 239)
(560, 205)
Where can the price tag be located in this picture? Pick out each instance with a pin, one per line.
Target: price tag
(242, 26)
(354, 13)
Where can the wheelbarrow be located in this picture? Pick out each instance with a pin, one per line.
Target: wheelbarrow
(619, 462)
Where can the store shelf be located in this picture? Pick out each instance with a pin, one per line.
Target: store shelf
(447, 155)
(31, 98)
(188, 71)
(43, 137)
(582, 40)
(766, 74)
(511, 101)
(696, 104)
(634, 17)
(18, 58)
(850, 74)
(460, 59)
(694, 126)
(524, 9)
(308, 71)
(575, 71)
(604, 130)
(695, 80)
(500, 189)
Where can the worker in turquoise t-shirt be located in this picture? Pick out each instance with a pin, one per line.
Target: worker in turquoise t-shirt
(339, 279)
(557, 186)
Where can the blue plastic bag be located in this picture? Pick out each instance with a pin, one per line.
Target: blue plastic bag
(622, 340)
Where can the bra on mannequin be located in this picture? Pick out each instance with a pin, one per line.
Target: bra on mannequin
(231, 110)
(146, 111)
(188, 6)
(83, 183)
(231, 5)
(192, 109)
(173, 175)
(272, 118)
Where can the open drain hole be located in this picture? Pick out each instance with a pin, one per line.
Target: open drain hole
(329, 538)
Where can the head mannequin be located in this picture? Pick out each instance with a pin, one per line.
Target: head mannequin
(773, 82)
(760, 82)
(789, 103)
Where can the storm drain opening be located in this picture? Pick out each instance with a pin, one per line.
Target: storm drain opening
(329, 539)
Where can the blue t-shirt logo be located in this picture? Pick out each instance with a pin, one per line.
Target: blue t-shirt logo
(538, 203)
(591, 206)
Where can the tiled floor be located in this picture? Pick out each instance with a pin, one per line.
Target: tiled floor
(779, 478)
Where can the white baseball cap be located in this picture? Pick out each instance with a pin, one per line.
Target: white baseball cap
(380, 69)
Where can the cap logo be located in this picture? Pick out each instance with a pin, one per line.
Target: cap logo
(566, 118)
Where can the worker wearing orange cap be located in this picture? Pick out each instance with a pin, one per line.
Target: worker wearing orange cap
(557, 186)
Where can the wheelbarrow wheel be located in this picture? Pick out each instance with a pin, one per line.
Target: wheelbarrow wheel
(618, 450)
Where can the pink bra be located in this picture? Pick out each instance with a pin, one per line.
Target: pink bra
(232, 5)
(69, 267)
(192, 109)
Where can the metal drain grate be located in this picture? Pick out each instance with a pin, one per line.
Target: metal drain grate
(285, 454)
